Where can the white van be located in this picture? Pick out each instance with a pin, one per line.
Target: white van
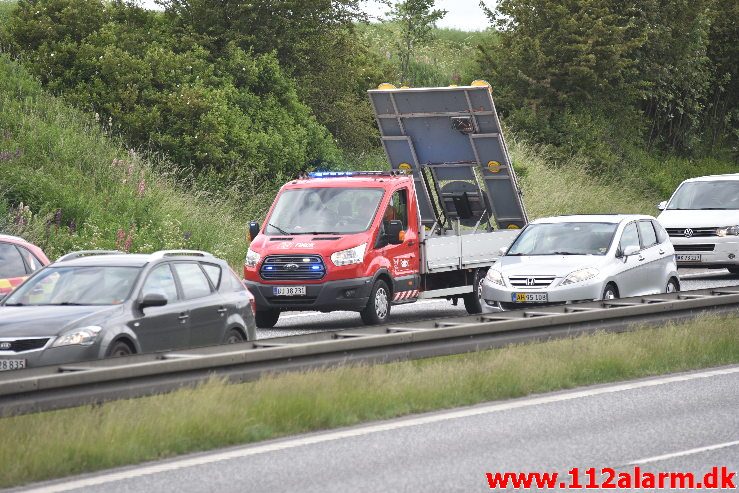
(702, 219)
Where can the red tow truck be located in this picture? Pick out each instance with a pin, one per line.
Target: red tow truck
(428, 228)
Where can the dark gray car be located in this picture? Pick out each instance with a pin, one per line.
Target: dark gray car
(90, 305)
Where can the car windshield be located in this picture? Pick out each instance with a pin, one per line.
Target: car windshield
(706, 195)
(324, 210)
(564, 239)
(76, 286)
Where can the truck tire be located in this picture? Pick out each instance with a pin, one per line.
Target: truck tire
(266, 319)
(473, 301)
(377, 310)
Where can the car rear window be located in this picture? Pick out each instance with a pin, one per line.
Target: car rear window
(11, 262)
(648, 236)
(192, 279)
(214, 273)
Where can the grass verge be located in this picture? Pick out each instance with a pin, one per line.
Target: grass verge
(61, 443)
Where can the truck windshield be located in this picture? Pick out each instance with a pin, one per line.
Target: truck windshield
(324, 211)
(706, 195)
(564, 239)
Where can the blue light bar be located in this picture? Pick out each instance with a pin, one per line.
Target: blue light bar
(343, 174)
(315, 267)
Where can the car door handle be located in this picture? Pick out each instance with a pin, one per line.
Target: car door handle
(183, 317)
(661, 252)
(641, 259)
(222, 310)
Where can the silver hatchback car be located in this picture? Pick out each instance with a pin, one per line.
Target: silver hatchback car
(578, 258)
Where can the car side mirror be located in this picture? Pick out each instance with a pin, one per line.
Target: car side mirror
(502, 251)
(253, 230)
(393, 232)
(662, 205)
(152, 299)
(629, 251)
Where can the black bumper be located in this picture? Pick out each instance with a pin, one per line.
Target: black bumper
(349, 294)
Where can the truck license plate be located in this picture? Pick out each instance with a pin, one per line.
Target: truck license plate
(288, 290)
(688, 258)
(529, 297)
(12, 364)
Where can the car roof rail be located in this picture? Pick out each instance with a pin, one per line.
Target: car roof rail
(180, 253)
(88, 253)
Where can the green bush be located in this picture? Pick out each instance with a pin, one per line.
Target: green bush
(228, 115)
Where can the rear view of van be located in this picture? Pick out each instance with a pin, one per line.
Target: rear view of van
(702, 219)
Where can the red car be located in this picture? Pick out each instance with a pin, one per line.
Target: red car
(18, 259)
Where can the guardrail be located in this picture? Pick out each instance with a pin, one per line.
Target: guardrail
(62, 386)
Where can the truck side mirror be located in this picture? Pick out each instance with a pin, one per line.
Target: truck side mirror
(662, 205)
(253, 230)
(502, 251)
(394, 228)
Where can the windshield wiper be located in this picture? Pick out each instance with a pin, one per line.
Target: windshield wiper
(712, 209)
(67, 303)
(316, 233)
(279, 229)
(14, 304)
(565, 253)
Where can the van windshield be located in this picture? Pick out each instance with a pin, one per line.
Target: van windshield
(324, 211)
(706, 195)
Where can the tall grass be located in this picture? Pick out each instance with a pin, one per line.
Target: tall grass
(90, 438)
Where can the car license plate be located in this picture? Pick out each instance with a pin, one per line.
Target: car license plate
(688, 258)
(12, 364)
(289, 291)
(529, 297)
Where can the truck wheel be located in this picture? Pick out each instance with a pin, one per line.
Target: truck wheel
(266, 319)
(377, 310)
(473, 301)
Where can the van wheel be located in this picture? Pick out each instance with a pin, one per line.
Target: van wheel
(672, 286)
(473, 301)
(266, 319)
(377, 310)
(119, 350)
(610, 293)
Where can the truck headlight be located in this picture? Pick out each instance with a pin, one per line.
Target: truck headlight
(495, 277)
(351, 256)
(252, 258)
(84, 336)
(728, 231)
(580, 275)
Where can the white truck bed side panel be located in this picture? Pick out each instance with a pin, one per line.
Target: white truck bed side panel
(442, 253)
(484, 248)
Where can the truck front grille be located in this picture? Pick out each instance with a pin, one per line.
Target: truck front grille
(293, 268)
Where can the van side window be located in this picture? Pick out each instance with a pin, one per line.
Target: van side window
(397, 209)
(630, 237)
(648, 236)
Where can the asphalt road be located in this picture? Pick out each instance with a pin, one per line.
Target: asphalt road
(293, 323)
(678, 423)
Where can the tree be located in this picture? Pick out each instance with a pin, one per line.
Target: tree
(415, 20)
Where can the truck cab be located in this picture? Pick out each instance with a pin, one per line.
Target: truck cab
(427, 228)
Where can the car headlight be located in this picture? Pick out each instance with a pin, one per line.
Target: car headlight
(495, 277)
(252, 258)
(351, 256)
(728, 231)
(580, 275)
(84, 336)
